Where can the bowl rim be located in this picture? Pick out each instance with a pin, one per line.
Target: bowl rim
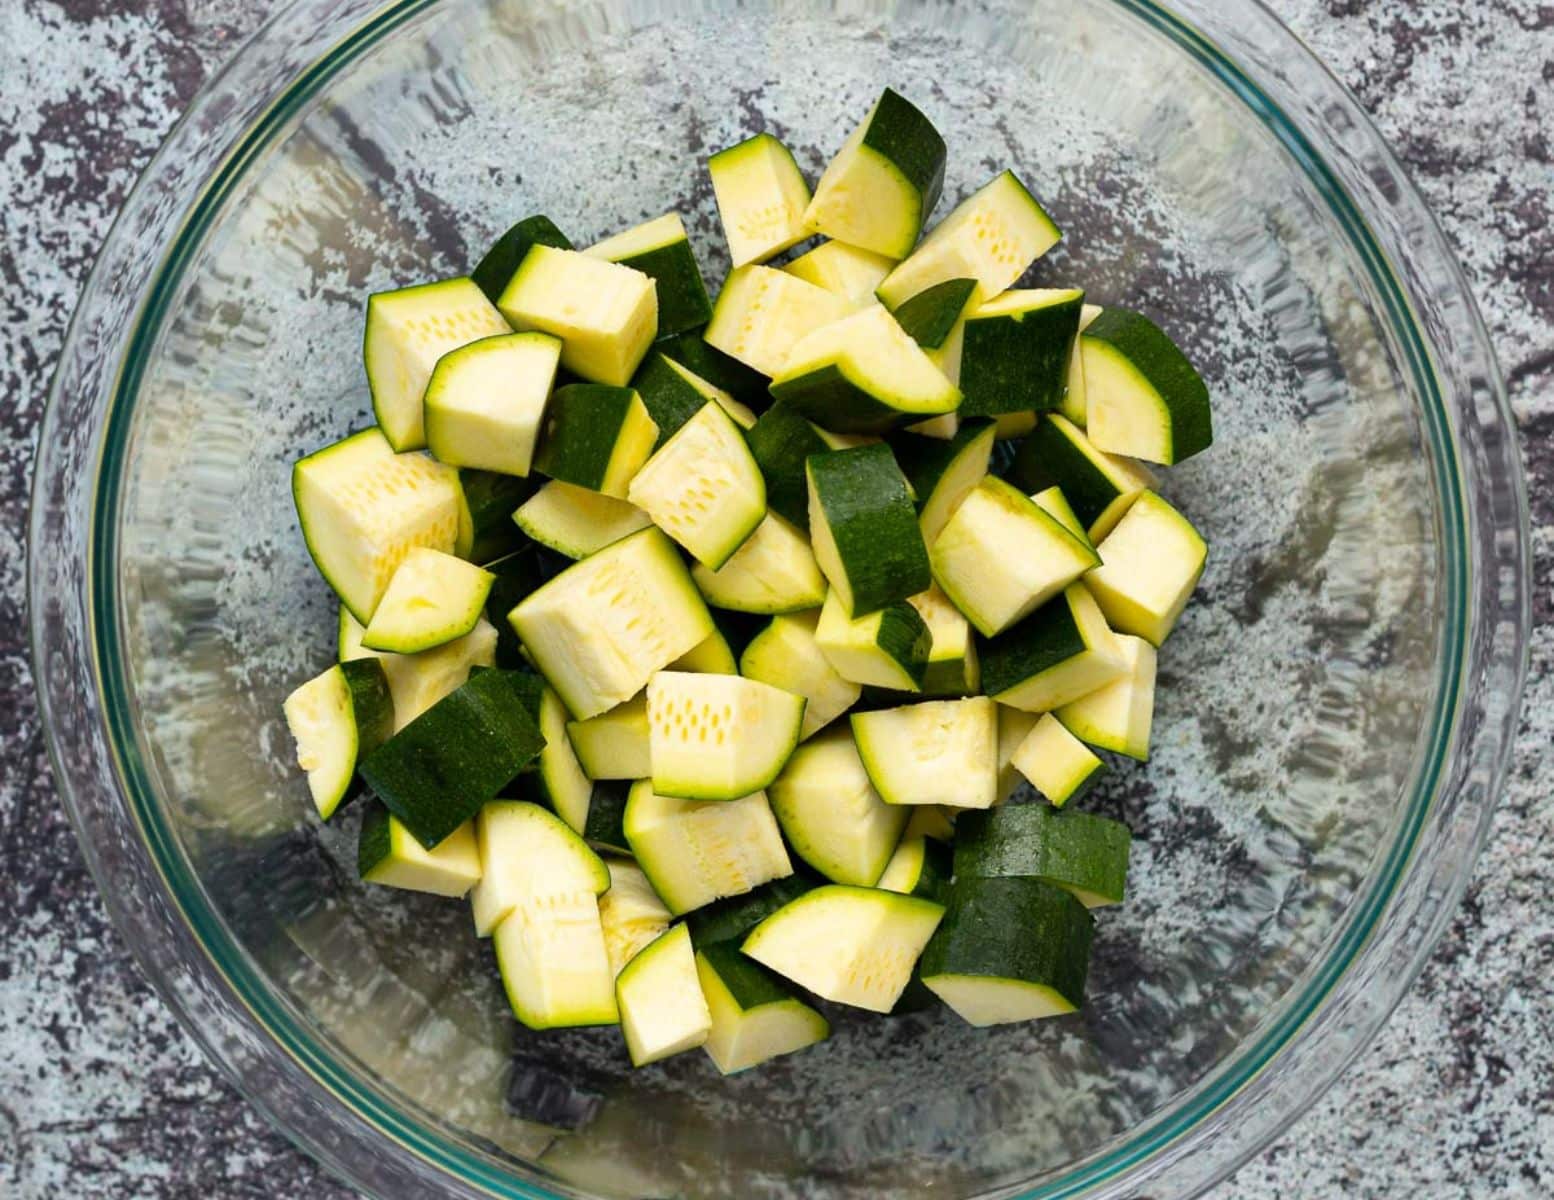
(1483, 579)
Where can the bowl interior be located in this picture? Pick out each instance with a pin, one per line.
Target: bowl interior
(1298, 699)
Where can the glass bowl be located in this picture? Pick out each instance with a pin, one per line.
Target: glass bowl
(1334, 710)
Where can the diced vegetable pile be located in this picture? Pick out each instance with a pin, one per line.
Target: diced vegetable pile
(699, 646)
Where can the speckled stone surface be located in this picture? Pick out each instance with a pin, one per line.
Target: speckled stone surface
(101, 1095)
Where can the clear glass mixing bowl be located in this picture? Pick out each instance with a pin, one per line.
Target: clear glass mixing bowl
(1334, 709)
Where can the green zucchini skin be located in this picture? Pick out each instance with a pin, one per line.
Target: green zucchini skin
(372, 844)
(517, 574)
(682, 294)
(581, 431)
(437, 771)
(500, 262)
(924, 460)
(1047, 638)
(692, 351)
(1181, 388)
(725, 922)
(606, 812)
(490, 498)
(1048, 457)
(902, 134)
(751, 984)
(826, 394)
(1013, 928)
(930, 316)
(669, 399)
(1068, 849)
(1018, 364)
(872, 521)
(782, 441)
(372, 704)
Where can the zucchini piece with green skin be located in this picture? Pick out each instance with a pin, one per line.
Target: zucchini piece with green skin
(1000, 557)
(755, 1017)
(786, 655)
(711, 657)
(1142, 397)
(762, 314)
(436, 772)
(387, 854)
(659, 995)
(673, 394)
(408, 331)
(730, 920)
(847, 271)
(697, 851)
(943, 473)
(630, 912)
(1099, 486)
(597, 437)
(852, 945)
(1084, 854)
(936, 752)
(362, 508)
(528, 855)
(1074, 405)
(606, 814)
(1052, 502)
(953, 668)
(761, 195)
(932, 821)
(517, 575)
(606, 315)
(879, 189)
(577, 521)
(485, 401)
(487, 501)
(1062, 651)
(603, 627)
(920, 866)
(560, 780)
(1118, 716)
(336, 719)
(1017, 349)
(702, 487)
(863, 374)
(707, 363)
(718, 737)
(418, 681)
(614, 745)
(774, 571)
(1014, 726)
(500, 263)
(1010, 949)
(936, 320)
(831, 814)
(992, 236)
(864, 529)
(661, 250)
(1150, 564)
(886, 649)
(781, 441)
(432, 599)
(1059, 766)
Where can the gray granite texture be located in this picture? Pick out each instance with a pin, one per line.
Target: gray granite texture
(101, 1095)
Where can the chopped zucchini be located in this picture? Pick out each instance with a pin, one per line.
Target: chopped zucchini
(606, 315)
(953, 669)
(711, 365)
(517, 575)
(673, 394)
(407, 332)
(936, 752)
(730, 920)
(1057, 763)
(1074, 405)
(761, 196)
(943, 473)
(887, 649)
(486, 400)
(1117, 717)
(755, 1017)
(602, 628)
(864, 529)
(1016, 351)
(560, 782)
(614, 745)
(786, 655)
(1099, 486)
(630, 912)
(363, 507)
(529, 856)
(388, 855)
(879, 189)
(718, 737)
(714, 656)
(577, 521)
(596, 436)
(487, 501)
(698, 851)
(936, 320)
(933, 821)
(762, 314)
(1014, 726)
(418, 681)
(853, 945)
(1000, 557)
(831, 814)
(702, 487)
(863, 374)
(336, 719)
(432, 599)
(1150, 564)
(847, 271)
(605, 830)
(501, 262)
(1143, 398)
(781, 441)
(659, 995)
(1081, 853)
(992, 236)
(920, 866)
(661, 250)
(773, 572)
(1062, 651)
(553, 965)
(1052, 502)
(1010, 949)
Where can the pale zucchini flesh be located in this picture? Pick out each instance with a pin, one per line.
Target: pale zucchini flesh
(1058, 765)
(662, 1009)
(388, 854)
(774, 571)
(847, 271)
(577, 521)
(935, 752)
(886, 649)
(630, 913)
(786, 655)
(754, 1018)
(762, 314)
(718, 737)
(432, 599)
(1150, 564)
(761, 195)
(485, 402)
(1118, 716)
(614, 745)
(529, 856)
